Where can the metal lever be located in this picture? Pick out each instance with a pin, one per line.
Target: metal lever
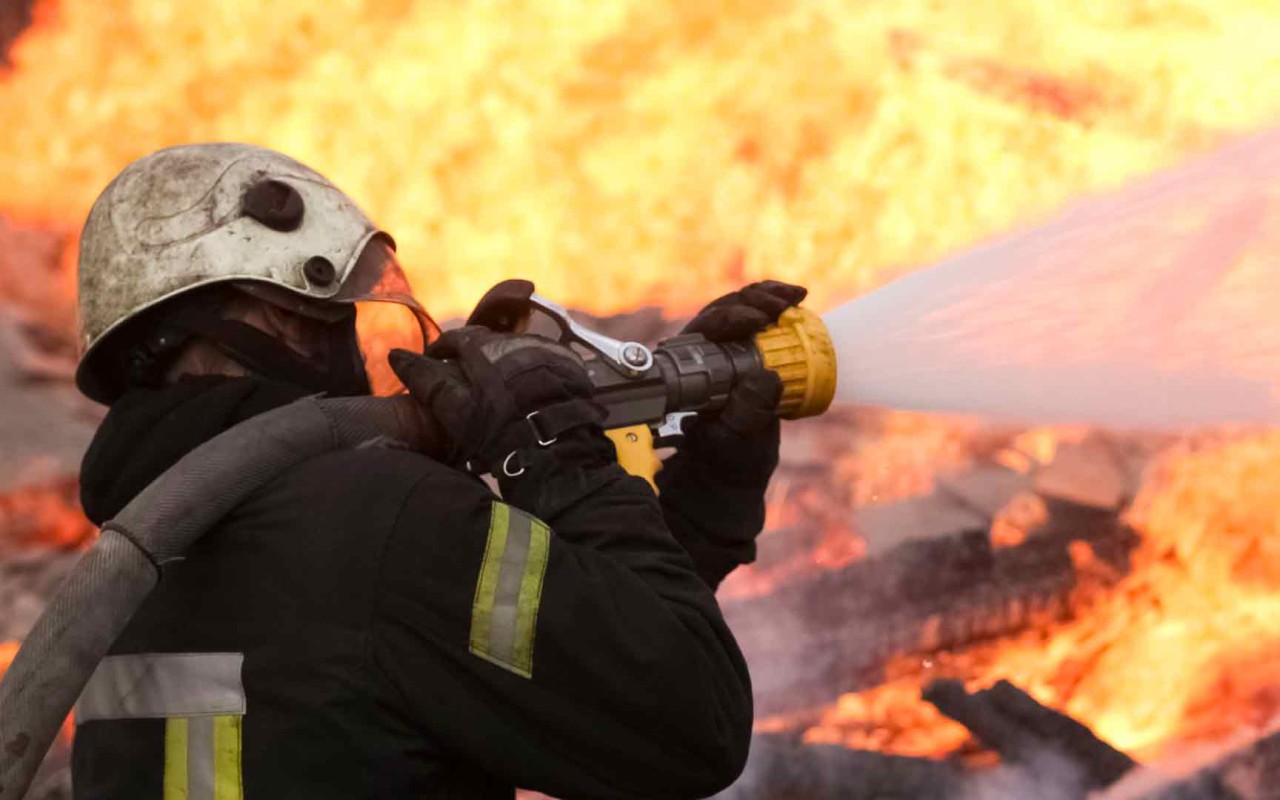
(673, 425)
(632, 357)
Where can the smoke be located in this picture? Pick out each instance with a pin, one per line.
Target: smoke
(781, 767)
(1044, 775)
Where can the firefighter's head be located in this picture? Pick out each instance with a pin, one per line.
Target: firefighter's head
(235, 259)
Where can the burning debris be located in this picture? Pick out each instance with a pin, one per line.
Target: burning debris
(1141, 656)
(1027, 734)
(934, 578)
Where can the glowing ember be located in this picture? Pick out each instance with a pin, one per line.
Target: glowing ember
(611, 149)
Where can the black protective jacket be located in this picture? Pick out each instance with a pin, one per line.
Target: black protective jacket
(399, 631)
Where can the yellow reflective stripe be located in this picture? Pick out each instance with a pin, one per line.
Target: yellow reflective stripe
(487, 586)
(202, 758)
(228, 780)
(504, 613)
(175, 759)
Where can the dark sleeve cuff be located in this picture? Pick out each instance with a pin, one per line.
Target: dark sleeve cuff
(551, 479)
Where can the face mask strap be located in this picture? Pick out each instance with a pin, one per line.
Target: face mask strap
(347, 374)
(264, 355)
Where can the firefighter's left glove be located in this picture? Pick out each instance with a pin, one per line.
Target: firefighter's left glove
(713, 488)
(740, 444)
(509, 404)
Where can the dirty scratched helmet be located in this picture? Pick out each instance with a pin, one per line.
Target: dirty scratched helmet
(188, 222)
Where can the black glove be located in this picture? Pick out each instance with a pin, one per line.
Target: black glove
(509, 404)
(745, 312)
(712, 489)
(741, 442)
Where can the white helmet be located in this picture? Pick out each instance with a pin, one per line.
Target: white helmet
(197, 215)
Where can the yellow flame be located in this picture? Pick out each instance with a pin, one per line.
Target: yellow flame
(621, 152)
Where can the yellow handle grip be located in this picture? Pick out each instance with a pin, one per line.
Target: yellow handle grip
(635, 451)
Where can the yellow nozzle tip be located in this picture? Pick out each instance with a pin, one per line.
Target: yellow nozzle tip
(799, 349)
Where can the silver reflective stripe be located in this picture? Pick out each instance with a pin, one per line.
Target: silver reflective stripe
(154, 685)
(504, 613)
(200, 758)
(502, 631)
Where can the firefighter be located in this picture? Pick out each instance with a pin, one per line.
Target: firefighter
(376, 622)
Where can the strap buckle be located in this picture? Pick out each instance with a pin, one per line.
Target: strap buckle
(542, 441)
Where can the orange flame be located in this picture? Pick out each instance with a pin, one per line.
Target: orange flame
(1184, 649)
(7, 651)
(48, 516)
(624, 152)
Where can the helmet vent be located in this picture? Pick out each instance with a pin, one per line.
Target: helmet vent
(275, 204)
(319, 271)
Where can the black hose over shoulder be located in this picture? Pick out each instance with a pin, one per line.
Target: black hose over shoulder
(118, 572)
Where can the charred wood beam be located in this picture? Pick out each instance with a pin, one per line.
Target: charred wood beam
(1011, 722)
(834, 631)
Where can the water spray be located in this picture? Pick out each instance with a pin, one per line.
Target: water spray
(1153, 308)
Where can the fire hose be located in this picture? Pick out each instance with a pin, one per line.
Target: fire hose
(646, 393)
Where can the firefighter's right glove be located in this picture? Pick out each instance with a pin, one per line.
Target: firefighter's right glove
(512, 405)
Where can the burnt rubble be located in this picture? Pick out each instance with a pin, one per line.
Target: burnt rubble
(932, 580)
(1012, 723)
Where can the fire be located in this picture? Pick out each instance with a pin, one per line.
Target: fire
(624, 152)
(7, 651)
(1184, 649)
(47, 516)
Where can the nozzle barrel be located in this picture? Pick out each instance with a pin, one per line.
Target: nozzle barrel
(690, 373)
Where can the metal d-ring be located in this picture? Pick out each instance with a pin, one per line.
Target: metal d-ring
(506, 466)
(537, 433)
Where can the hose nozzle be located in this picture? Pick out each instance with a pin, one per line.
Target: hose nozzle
(798, 348)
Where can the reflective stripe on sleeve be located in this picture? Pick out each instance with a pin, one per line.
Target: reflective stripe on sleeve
(152, 685)
(202, 758)
(504, 614)
(201, 698)
(175, 759)
(228, 779)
